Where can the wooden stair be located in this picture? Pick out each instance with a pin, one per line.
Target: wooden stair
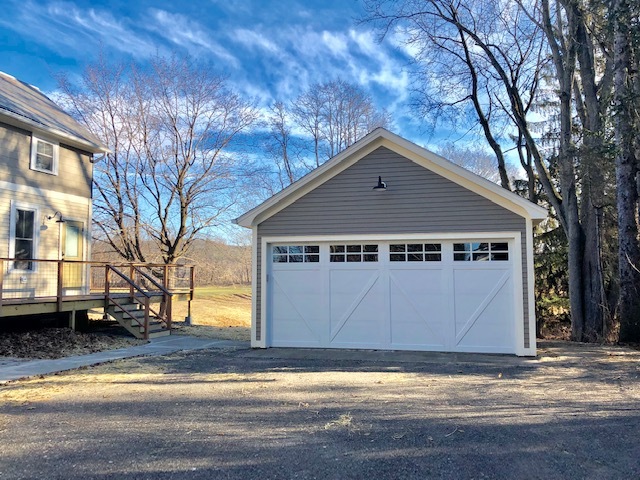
(134, 311)
(131, 316)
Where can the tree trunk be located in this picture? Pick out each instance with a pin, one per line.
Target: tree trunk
(595, 304)
(591, 102)
(575, 262)
(626, 175)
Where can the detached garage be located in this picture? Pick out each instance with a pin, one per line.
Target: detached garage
(389, 246)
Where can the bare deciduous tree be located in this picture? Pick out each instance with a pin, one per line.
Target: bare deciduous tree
(454, 81)
(170, 174)
(503, 45)
(336, 114)
(475, 159)
(280, 144)
(318, 124)
(307, 110)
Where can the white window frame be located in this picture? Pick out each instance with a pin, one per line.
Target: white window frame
(34, 154)
(423, 253)
(361, 253)
(305, 256)
(489, 252)
(15, 206)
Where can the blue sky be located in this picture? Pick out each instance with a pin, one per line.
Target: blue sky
(271, 50)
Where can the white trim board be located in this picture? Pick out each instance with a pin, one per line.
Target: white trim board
(514, 237)
(43, 193)
(254, 291)
(391, 236)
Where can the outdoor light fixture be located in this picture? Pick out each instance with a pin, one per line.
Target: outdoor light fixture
(381, 187)
(57, 214)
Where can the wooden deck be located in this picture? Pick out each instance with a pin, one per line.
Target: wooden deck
(42, 305)
(130, 293)
(11, 307)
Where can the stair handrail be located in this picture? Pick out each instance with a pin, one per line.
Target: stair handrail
(166, 297)
(126, 279)
(151, 279)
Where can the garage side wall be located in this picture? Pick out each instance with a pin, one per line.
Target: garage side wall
(416, 201)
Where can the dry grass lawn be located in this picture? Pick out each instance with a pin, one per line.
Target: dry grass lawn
(217, 312)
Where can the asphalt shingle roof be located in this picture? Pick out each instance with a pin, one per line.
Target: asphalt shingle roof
(21, 101)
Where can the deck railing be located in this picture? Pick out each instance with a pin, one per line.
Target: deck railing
(64, 280)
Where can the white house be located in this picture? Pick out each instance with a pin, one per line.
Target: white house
(46, 168)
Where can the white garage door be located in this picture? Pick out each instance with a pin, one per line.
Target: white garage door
(410, 295)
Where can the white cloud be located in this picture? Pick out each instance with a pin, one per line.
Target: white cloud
(69, 30)
(253, 39)
(270, 51)
(401, 39)
(72, 31)
(336, 43)
(184, 32)
(290, 59)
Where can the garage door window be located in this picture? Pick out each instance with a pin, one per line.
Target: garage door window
(353, 253)
(481, 252)
(296, 254)
(415, 252)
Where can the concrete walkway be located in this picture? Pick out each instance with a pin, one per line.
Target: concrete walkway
(14, 369)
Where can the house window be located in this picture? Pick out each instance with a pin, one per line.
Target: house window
(22, 245)
(481, 252)
(44, 156)
(353, 253)
(415, 252)
(296, 254)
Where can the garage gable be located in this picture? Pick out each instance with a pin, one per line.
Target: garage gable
(416, 200)
(402, 148)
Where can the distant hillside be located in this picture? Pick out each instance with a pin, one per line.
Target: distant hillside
(217, 263)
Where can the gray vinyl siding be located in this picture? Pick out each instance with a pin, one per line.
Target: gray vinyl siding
(416, 201)
(75, 169)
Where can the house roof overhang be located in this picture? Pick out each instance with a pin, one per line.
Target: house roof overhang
(37, 128)
(381, 137)
(26, 107)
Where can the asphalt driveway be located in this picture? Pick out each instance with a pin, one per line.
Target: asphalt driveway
(279, 414)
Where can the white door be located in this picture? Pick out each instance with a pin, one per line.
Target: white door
(73, 279)
(355, 299)
(296, 296)
(401, 295)
(418, 291)
(482, 297)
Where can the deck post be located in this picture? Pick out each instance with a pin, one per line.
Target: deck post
(72, 319)
(131, 277)
(107, 279)
(169, 312)
(192, 278)
(59, 289)
(146, 318)
(165, 277)
(165, 297)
